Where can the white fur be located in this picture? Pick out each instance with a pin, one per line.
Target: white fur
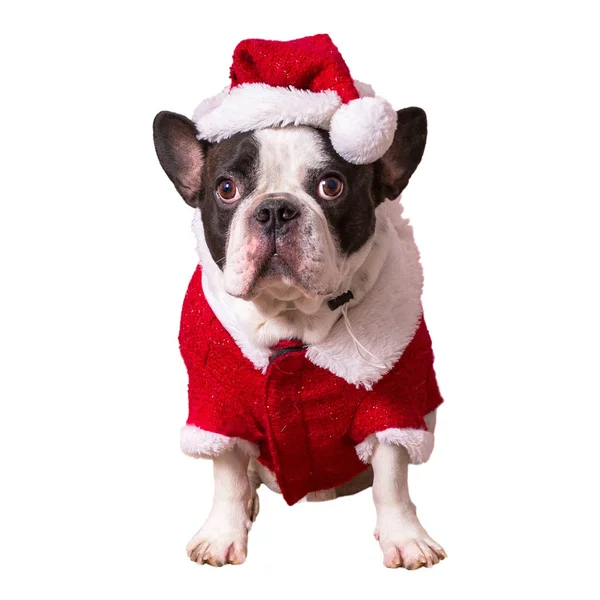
(402, 538)
(265, 475)
(198, 443)
(365, 90)
(285, 157)
(386, 279)
(221, 116)
(384, 315)
(229, 310)
(363, 130)
(386, 319)
(418, 443)
(208, 105)
(257, 106)
(224, 536)
(285, 310)
(393, 263)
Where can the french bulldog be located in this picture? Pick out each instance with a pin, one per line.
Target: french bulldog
(296, 244)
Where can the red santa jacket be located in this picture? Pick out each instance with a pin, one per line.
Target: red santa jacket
(305, 421)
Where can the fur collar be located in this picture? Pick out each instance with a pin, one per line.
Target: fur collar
(383, 317)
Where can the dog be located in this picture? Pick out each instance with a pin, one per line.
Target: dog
(310, 364)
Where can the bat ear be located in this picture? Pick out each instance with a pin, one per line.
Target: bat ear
(397, 165)
(180, 153)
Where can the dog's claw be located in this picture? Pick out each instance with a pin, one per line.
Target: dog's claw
(217, 545)
(410, 551)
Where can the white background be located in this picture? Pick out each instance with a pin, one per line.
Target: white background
(96, 253)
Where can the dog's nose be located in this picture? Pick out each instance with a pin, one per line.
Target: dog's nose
(276, 213)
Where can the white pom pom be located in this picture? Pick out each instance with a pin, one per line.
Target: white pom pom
(363, 130)
(364, 89)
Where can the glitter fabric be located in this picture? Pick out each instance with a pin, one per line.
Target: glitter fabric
(311, 63)
(299, 82)
(305, 420)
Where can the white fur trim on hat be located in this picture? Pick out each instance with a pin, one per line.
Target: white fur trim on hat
(199, 443)
(363, 130)
(258, 106)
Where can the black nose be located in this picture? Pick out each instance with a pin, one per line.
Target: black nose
(276, 213)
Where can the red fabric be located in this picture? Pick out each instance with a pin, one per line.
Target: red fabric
(311, 63)
(305, 420)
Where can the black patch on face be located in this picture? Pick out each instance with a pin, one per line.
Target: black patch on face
(351, 217)
(235, 158)
(196, 168)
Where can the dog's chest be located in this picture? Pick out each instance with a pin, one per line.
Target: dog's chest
(305, 421)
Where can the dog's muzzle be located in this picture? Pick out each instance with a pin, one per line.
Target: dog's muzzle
(274, 214)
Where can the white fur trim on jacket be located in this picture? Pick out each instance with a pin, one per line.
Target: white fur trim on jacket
(387, 318)
(418, 443)
(384, 322)
(199, 443)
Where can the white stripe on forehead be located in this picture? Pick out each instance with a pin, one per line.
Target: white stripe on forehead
(286, 155)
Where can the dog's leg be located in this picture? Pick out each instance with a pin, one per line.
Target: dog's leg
(224, 536)
(401, 536)
(255, 481)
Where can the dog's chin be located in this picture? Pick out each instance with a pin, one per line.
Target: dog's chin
(277, 279)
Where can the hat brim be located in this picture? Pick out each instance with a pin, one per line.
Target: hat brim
(361, 130)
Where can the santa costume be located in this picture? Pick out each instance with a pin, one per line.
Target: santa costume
(310, 414)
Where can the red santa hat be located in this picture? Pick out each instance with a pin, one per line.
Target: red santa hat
(300, 82)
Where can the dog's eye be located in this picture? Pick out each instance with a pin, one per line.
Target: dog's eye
(330, 187)
(227, 190)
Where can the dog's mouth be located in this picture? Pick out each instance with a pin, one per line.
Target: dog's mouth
(274, 270)
(279, 263)
(275, 265)
(277, 275)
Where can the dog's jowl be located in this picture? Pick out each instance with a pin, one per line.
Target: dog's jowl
(310, 365)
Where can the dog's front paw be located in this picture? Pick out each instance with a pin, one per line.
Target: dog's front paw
(412, 554)
(221, 540)
(406, 544)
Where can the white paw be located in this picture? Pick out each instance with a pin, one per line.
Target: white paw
(408, 545)
(221, 540)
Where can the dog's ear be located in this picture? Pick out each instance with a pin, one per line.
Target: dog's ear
(395, 168)
(180, 153)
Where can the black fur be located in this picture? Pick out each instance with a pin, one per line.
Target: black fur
(180, 154)
(351, 217)
(393, 171)
(196, 168)
(236, 157)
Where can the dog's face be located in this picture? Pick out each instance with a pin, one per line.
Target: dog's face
(282, 212)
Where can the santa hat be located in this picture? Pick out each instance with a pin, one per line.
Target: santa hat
(300, 82)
